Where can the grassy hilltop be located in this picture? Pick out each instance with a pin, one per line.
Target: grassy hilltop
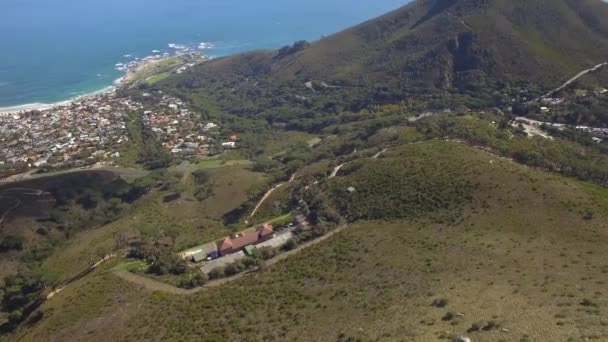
(514, 258)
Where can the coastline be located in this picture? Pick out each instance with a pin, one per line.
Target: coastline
(46, 106)
(130, 71)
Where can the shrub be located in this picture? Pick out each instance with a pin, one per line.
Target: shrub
(11, 242)
(265, 253)
(439, 302)
(199, 279)
(290, 244)
(587, 302)
(235, 268)
(217, 273)
(489, 326)
(250, 262)
(200, 176)
(448, 316)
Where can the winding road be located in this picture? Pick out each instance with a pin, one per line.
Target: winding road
(570, 81)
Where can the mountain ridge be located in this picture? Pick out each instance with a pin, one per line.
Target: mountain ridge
(426, 48)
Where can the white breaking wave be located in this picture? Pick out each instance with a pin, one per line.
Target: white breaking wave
(206, 45)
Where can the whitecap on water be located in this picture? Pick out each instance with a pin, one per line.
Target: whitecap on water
(206, 45)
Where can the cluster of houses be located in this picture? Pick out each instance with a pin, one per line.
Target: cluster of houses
(548, 102)
(92, 129)
(182, 132)
(86, 130)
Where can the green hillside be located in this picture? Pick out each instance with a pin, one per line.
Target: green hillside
(483, 53)
(502, 269)
(423, 210)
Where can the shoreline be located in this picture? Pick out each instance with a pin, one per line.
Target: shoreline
(129, 70)
(28, 107)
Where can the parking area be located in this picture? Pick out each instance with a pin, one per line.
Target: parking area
(206, 249)
(221, 262)
(277, 241)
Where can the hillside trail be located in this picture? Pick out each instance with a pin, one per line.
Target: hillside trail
(80, 275)
(268, 193)
(12, 192)
(336, 169)
(377, 155)
(334, 172)
(17, 204)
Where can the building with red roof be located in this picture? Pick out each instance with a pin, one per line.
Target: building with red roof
(232, 245)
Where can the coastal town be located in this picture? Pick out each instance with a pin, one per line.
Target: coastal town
(86, 130)
(92, 130)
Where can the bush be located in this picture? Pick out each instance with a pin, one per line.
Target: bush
(587, 302)
(448, 316)
(290, 244)
(10, 243)
(439, 302)
(199, 279)
(265, 253)
(166, 263)
(250, 262)
(217, 273)
(201, 176)
(235, 268)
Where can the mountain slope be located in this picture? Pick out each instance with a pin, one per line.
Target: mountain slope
(470, 47)
(516, 255)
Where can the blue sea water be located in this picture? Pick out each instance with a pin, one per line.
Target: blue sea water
(53, 50)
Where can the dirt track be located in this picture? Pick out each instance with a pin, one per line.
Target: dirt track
(268, 193)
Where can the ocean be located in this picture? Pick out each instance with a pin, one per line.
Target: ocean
(52, 51)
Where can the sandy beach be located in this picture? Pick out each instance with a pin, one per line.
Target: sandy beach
(46, 106)
(31, 106)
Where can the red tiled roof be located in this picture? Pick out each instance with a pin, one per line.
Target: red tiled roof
(265, 230)
(245, 239)
(226, 244)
